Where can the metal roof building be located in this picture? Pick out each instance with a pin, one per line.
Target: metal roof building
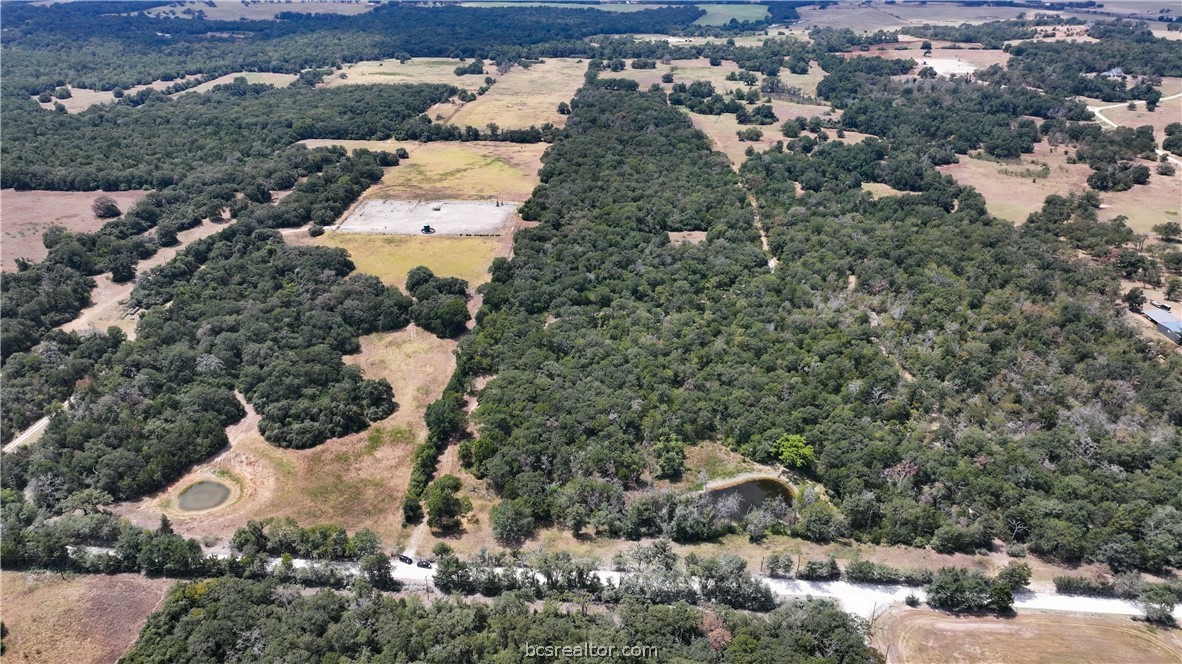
(1166, 322)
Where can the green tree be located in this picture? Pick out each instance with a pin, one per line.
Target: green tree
(793, 452)
(958, 589)
(1135, 298)
(1157, 600)
(444, 505)
(511, 522)
(1170, 231)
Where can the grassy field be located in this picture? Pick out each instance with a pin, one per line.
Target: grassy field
(723, 129)
(418, 70)
(82, 99)
(922, 636)
(25, 215)
(390, 257)
(233, 10)
(1166, 112)
(478, 170)
(80, 619)
(277, 80)
(609, 7)
(868, 19)
(721, 14)
(1013, 191)
(525, 97)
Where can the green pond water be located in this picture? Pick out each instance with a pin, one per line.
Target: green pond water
(202, 496)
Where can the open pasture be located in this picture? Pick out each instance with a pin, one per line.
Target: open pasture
(524, 97)
(1014, 190)
(723, 129)
(82, 98)
(923, 636)
(722, 14)
(605, 6)
(861, 18)
(254, 10)
(270, 78)
(390, 257)
(399, 217)
(83, 619)
(25, 216)
(417, 70)
(1166, 112)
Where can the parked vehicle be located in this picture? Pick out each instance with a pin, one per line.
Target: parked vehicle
(405, 560)
(424, 564)
(1161, 305)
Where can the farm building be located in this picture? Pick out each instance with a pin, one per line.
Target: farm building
(1167, 323)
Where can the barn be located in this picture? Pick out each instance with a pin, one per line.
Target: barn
(1166, 322)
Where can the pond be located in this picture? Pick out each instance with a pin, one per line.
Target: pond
(203, 496)
(753, 492)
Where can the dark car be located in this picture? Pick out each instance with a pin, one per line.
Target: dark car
(424, 564)
(405, 560)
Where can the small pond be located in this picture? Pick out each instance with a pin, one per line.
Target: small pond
(752, 493)
(203, 496)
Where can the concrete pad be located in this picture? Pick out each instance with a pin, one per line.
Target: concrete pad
(402, 217)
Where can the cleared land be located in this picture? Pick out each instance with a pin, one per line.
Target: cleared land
(1166, 113)
(80, 619)
(607, 7)
(722, 14)
(82, 98)
(1014, 190)
(920, 636)
(233, 10)
(418, 70)
(869, 19)
(277, 80)
(390, 257)
(25, 215)
(723, 129)
(399, 217)
(524, 97)
(479, 170)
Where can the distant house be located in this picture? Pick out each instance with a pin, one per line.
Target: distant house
(1166, 322)
(1115, 72)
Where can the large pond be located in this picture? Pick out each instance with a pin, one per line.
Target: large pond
(752, 493)
(203, 496)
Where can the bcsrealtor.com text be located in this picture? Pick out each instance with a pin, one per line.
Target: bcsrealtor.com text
(589, 651)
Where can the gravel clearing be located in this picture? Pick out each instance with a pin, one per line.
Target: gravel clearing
(403, 217)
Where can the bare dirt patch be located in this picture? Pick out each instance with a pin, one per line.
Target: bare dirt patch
(878, 190)
(80, 619)
(524, 97)
(918, 635)
(25, 216)
(687, 237)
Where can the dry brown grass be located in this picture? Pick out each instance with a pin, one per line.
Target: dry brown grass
(417, 70)
(868, 19)
(277, 80)
(923, 636)
(1014, 197)
(524, 97)
(25, 215)
(79, 620)
(82, 99)
(478, 170)
(233, 10)
(1166, 113)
